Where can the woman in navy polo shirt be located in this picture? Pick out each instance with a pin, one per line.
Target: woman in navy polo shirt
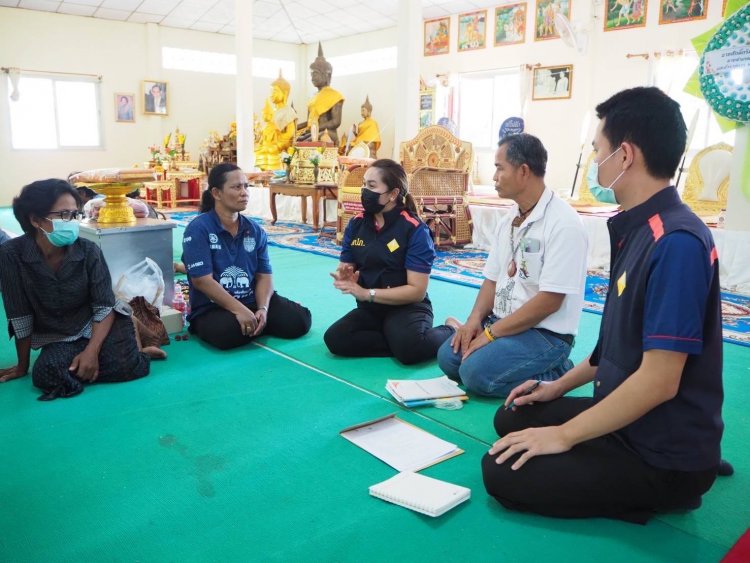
(226, 256)
(386, 258)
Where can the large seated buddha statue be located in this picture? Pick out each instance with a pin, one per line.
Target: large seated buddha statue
(367, 132)
(278, 128)
(325, 106)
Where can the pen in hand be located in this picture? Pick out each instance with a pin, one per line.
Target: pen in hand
(528, 391)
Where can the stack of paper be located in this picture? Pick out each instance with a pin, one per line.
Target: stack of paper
(413, 393)
(423, 494)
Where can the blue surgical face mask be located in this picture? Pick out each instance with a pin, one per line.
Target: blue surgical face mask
(605, 195)
(64, 233)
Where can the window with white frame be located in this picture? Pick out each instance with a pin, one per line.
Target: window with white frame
(365, 61)
(485, 100)
(212, 62)
(54, 113)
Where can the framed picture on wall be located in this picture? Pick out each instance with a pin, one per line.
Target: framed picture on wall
(472, 30)
(624, 14)
(426, 107)
(155, 98)
(125, 108)
(676, 11)
(510, 24)
(437, 37)
(544, 18)
(552, 82)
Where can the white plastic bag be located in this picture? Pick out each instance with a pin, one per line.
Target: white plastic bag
(146, 279)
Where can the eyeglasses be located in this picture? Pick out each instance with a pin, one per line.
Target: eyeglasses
(66, 214)
(239, 187)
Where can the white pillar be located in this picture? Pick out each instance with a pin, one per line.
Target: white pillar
(406, 92)
(243, 40)
(738, 196)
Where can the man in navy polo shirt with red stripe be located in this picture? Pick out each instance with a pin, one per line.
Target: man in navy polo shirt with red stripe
(649, 439)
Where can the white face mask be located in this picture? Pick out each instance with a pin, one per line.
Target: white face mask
(605, 195)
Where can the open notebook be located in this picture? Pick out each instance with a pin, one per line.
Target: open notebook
(421, 493)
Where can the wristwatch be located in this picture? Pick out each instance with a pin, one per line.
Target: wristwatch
(372, 295)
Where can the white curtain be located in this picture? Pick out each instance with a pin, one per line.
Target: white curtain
(15, 75)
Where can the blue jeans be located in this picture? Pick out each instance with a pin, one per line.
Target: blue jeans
(498, 367)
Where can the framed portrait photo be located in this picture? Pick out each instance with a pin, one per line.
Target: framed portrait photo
(125, 108)
(155, 97)
(544, 18)
(437, 37)
(472, 30)
(676, 11)
(510, 24)
(624, 14)
(552, 82)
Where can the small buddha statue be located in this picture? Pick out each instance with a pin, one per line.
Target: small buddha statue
(366, 132)
(327, 104)
(278, 129)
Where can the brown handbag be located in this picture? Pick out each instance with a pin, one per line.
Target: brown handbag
(148, 323)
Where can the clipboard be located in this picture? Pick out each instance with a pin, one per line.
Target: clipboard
(400, 444)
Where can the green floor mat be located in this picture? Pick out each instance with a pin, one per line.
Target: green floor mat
(723, 517)
(241, 460)
(235, 456)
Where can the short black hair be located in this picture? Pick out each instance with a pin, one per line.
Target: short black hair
(651, 120)
(525, 149)
(38, 198)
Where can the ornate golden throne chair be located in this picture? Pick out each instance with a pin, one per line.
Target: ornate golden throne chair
(707, 181)
(438, 165)
(351, 179)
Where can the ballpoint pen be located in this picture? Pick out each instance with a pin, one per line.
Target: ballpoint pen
(527, 392)
(433, 402)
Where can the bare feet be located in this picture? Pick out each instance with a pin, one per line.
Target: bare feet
(453, 322)
(155, 353)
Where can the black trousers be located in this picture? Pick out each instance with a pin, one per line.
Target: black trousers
(374, 330)
(600, 477)
(219, 328)
(119, 360)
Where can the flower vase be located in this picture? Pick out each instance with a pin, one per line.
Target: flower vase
(316, 170)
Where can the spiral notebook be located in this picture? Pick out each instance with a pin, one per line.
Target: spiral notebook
(421, 493)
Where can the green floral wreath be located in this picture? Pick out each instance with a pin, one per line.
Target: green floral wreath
(723, 94)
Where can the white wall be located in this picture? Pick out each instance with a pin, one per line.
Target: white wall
(127, 53)
(124, 54)
(597, 74)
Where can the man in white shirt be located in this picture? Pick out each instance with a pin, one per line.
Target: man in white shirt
(526, 315)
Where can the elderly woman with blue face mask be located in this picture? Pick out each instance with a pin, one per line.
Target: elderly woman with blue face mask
(58, 296)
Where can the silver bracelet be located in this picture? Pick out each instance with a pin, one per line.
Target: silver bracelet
(263, 307)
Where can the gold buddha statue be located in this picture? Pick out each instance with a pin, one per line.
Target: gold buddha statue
(278, 130)
(366, 132)
(326, 105)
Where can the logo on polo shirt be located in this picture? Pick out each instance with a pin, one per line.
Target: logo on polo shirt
(234, 278)
(393, 245)
(621, 283)
(249, 243)
(358, 242)
(212, 238)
